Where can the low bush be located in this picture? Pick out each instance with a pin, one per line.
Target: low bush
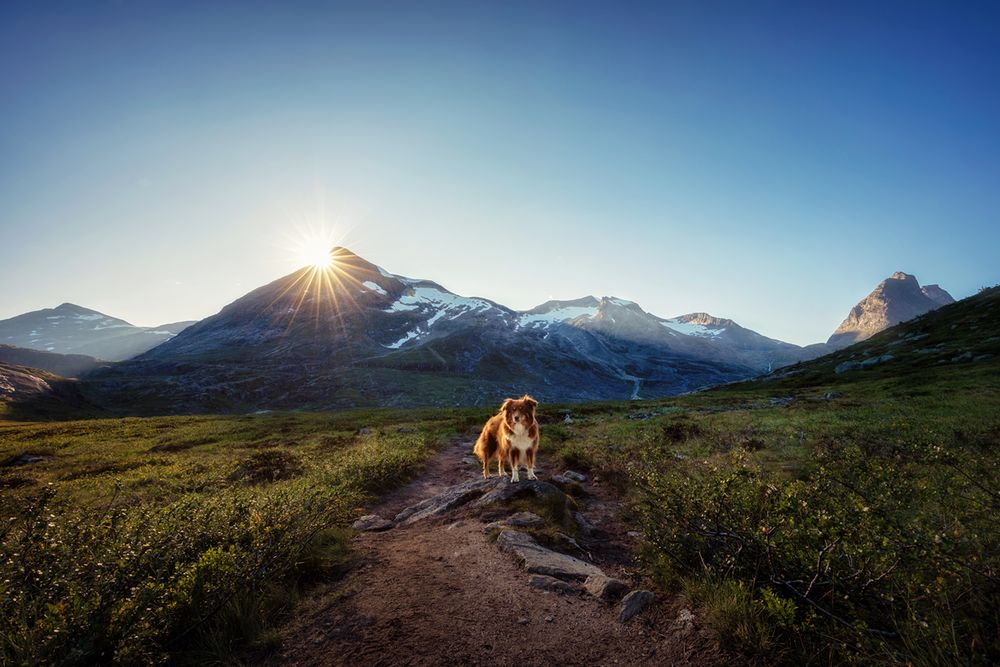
(864, 560)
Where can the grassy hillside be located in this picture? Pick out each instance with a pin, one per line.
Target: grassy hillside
(812, 517)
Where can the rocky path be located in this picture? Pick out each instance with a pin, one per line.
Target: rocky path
(451, 574)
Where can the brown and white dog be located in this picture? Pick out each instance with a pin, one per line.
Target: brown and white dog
(510, 435)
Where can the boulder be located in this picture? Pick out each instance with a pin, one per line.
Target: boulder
(605, 588)
(845, 366)
(633, 603)
(872, 361)
(575, 476)
(536, 559)
(553, 585)
(371, 522)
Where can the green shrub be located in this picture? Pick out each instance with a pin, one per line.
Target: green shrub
(865, 550)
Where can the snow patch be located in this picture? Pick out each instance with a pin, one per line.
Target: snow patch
(95, 316)
(374, 287)
(428, 298)
(410, 336)
(564, 314)
(689, 329)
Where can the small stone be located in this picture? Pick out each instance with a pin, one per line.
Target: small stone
(494, 525)
(604, 588)
(371, 522)
(561, 480)
(548, 619)
(634, 534)
(633, 603)
(470, 460)
(575, 476)
(522, 620)
(364, 431)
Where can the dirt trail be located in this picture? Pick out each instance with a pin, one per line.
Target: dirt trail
(439, 593)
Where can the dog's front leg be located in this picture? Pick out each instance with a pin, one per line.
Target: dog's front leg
(514, 465)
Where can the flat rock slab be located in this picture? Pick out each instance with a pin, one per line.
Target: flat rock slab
(553, 585)
(509, 490)
(453, 497)
(575, 476)
(536, 559)
(372, 522)
(633, 603)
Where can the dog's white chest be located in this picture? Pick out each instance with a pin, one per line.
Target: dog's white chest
(521, 441)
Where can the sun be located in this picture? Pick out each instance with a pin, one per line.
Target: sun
(314, 250)
(317, 256)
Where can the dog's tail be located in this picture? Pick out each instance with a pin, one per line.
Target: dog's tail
(485, 447)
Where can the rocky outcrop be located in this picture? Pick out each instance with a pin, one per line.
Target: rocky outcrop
(451, 498)
(897, 299)
(510, 490)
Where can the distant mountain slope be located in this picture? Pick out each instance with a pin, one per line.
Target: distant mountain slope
(897, 299)
(962, 336)
(31, 393)
(72, 329)
(67, 365)
(363, 336)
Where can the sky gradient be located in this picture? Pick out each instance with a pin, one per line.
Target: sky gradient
(764, 162)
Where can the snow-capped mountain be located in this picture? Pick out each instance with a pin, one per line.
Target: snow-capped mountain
(72, 329)
(896, 299)
(360, 335)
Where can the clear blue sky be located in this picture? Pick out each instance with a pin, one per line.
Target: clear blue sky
(760, 161)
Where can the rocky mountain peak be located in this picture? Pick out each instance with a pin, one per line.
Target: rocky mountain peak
(937, 295)
(896, 299)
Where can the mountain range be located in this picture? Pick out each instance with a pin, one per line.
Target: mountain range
(72, 329)
(360, 335)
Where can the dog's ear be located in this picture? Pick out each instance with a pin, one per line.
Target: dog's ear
(506, 404)
(530, 401)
